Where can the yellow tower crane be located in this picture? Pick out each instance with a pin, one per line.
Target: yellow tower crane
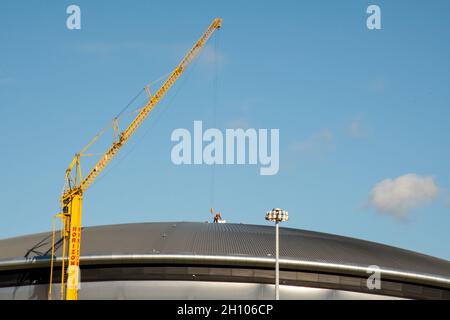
(75, 185)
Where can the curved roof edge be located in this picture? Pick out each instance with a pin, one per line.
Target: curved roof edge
(237, 261)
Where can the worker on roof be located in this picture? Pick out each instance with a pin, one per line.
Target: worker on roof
(217, 216)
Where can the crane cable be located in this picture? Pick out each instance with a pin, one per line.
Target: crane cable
(121, 114)
(160, 115)
(156, 120)
(214, 114)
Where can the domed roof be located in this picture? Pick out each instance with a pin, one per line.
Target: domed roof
(230, 244)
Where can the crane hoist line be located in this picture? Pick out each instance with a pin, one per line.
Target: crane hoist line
(75, 184)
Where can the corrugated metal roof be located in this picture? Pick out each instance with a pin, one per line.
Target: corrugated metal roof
(229, 240)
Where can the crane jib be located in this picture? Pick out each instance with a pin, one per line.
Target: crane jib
(72, 198)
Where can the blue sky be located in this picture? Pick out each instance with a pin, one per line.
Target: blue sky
(354, 107)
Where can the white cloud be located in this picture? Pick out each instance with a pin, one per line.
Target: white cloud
(318, 142)
(6, 81)
(238, 124)
(399, 196)
(377, 85)
(210, 56)
(355, 130)
(107, 48)
(447, 202)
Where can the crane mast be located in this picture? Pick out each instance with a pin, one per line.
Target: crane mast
(76, 185)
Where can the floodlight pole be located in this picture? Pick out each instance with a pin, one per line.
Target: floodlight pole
(277, 215)
(277, 264)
